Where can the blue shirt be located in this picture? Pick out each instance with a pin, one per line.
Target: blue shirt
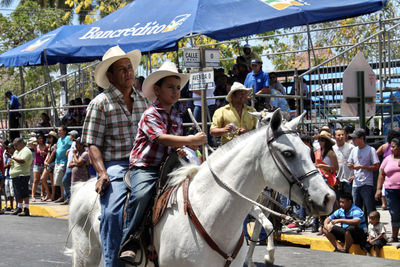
(257, 81)
(63, 144)
(354, 213)
(14, 103)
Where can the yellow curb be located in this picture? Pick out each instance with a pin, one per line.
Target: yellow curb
(321, 243)
(59, 212)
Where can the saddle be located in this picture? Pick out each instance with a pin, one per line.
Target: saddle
(156, 209)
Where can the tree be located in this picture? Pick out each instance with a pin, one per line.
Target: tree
(27, 22)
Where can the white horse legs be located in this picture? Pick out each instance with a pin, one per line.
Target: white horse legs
(261, 220)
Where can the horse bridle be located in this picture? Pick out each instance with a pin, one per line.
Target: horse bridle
(291, 178)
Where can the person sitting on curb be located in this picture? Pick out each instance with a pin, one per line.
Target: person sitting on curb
(376, 233)
(352, 229)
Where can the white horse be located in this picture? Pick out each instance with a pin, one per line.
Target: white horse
(270, 156)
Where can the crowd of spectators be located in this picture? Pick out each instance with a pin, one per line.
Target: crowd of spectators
(348, 167)
(51, 163)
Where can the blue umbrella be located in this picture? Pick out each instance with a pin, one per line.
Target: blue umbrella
(32, 52)
(154, 25)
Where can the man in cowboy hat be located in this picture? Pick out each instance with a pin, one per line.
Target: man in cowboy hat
(109, 130)
(234, 119)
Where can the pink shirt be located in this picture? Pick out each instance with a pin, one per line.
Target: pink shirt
(392, 170)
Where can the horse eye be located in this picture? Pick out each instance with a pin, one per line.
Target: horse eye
(287, 154)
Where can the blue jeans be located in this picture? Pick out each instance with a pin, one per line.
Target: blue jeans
(364, 195)
(143, 183)
(66, 181)
(393, 202)
(112, 205)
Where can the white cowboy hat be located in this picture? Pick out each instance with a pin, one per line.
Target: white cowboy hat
(237, 87)
(167, 69)
(113, 54)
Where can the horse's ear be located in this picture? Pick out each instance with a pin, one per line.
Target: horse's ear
(276, 120)
(293, 123)
(256, 114)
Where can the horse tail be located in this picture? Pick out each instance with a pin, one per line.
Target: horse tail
(180, 174)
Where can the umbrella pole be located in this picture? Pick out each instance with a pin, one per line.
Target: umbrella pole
(51, 92)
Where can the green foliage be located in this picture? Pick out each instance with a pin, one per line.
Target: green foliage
(27, 22)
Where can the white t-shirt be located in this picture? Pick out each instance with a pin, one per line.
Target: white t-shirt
(342, 154)
(71, 152)
(367, 157)
(209, 93)
(376, 230)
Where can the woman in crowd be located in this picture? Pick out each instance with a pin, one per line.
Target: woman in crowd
(49, 163)
(384, 151)
(327, 163)
(80, 163)
(40, 150)
(325, 158)
(389, 175)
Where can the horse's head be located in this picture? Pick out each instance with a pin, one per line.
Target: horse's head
(296, 174)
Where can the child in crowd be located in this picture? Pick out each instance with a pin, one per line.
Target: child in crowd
(8, 183)
(376, 232)
(159, 133)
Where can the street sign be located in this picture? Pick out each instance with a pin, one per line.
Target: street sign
(212, 58)
(198, 80)
(191, 58)
(351, 97)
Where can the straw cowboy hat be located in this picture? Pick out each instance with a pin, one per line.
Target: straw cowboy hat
(113, 54)
(237, 87)
(326, 135)
(52, 133)
(167, 69)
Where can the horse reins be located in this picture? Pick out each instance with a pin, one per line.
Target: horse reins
(284, 169)
(199, 227)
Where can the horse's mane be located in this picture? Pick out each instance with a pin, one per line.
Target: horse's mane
(180, 174)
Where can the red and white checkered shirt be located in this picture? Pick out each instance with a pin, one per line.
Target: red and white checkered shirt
(155, 121)
(110, 126)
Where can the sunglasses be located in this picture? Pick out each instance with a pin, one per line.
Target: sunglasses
(321, 140)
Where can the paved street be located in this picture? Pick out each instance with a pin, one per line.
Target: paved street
(297, 256)
(39, 241)
(33, 241)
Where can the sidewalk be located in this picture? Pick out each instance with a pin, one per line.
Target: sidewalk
(48, 209)
(317, 242)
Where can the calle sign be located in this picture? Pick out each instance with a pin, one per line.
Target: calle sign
(191, 58)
